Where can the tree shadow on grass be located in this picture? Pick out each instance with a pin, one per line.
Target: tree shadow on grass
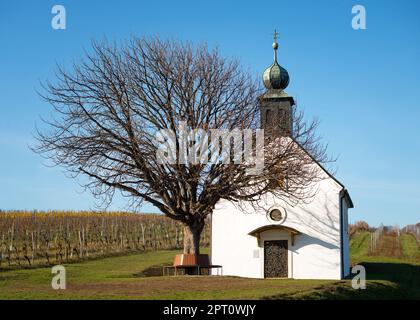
(152, 271)
(385, 281)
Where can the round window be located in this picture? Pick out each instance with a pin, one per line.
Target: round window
(276, 215)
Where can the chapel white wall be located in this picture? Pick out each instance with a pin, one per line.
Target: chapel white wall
(315, 253)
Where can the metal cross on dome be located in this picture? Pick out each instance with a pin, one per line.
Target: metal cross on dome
(276, 34)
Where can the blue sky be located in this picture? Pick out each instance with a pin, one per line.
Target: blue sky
(363, 85)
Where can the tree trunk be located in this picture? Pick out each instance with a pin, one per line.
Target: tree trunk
(192, 235)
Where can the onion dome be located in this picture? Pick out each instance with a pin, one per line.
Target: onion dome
(275, 76)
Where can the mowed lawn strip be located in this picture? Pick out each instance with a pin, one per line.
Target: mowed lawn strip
(123, 277)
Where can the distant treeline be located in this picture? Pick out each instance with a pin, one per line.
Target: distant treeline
(358, 226)
(29, 238)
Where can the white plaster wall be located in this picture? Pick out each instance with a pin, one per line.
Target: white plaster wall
(316, 252)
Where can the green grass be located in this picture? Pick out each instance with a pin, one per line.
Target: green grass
(403, 273)
(359, 246)
(122, 277)
(410, 247)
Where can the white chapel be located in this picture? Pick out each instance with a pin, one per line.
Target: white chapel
(305, 241)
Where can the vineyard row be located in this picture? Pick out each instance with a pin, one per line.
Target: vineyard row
(36, 238)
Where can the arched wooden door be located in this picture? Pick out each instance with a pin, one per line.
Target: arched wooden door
(275, 259)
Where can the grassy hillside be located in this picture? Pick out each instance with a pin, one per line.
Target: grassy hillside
(135, 276)
(123, 278)
(359, 246)
(410, 247)
(402, 270)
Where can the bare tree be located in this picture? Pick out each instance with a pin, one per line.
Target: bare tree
(110, 107)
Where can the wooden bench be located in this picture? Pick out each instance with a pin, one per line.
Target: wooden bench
(191, 264)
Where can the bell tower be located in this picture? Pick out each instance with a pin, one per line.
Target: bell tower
(275, 104)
